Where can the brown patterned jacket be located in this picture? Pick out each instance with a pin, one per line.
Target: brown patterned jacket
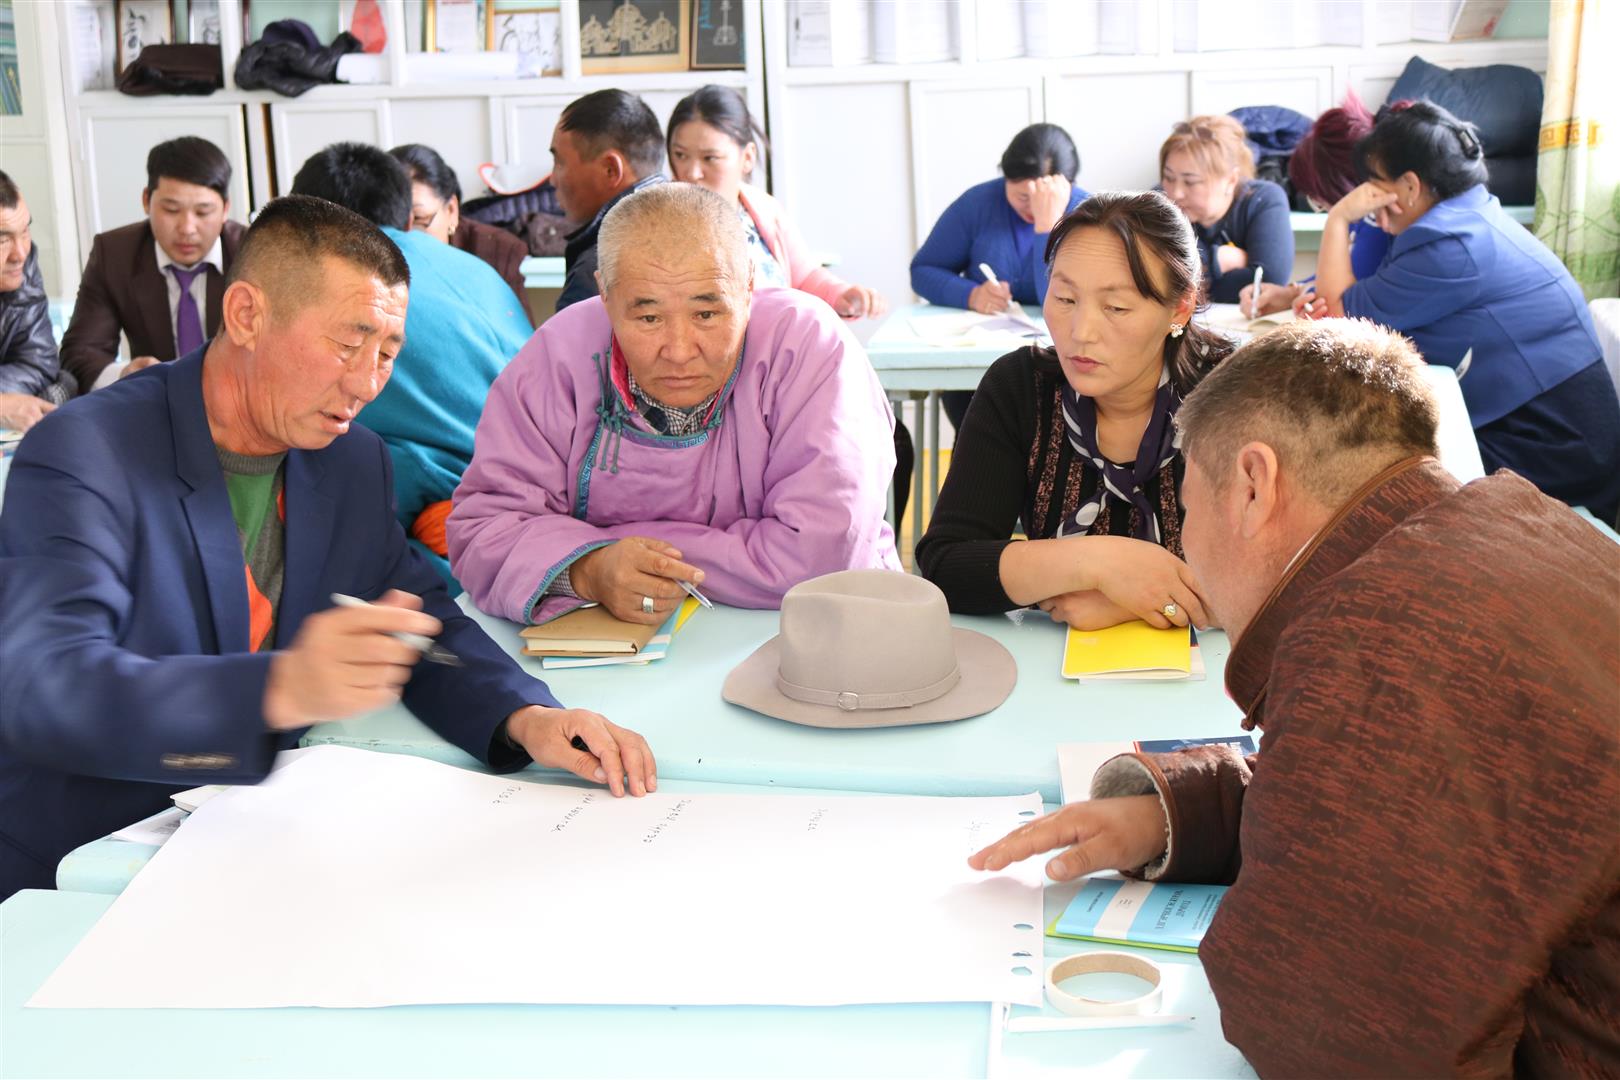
(1426, 868)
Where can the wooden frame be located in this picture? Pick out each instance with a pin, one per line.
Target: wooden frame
(132, 21)
(723, 44)
(498, 31)
(662, 43)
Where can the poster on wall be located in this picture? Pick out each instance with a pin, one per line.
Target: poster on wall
(717, 35)
(618, 36)
(10, 78)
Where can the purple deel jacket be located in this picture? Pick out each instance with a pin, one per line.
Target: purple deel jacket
(787, 481)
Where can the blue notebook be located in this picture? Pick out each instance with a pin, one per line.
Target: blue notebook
(1121, 911)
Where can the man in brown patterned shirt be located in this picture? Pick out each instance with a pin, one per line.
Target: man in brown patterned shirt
(1426, 870)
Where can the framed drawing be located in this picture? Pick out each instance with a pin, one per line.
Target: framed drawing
(717, 35)
(202, 22)
(141, 23)
(619, 36)
(530, 28)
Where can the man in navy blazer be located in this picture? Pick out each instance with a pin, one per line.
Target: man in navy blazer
(147, 646)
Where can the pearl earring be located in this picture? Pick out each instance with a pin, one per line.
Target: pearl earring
(1175, 330)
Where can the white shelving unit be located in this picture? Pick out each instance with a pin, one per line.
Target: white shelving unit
(267, 136)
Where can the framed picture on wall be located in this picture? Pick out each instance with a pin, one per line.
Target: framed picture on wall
(141, 23)
(530, 28)
(452, 26)
(618, 36)
(717, 35)
(202, 22)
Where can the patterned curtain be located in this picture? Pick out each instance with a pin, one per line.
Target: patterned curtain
(1578, 171)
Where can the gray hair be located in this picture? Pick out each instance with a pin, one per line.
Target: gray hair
(694, 213)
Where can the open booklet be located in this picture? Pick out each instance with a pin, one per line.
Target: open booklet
(1236, 317)
(968, 329)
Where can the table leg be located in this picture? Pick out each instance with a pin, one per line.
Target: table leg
(895, 404)
(920, 430)
(935, 406)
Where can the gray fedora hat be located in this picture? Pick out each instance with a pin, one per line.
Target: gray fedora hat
(871, 648)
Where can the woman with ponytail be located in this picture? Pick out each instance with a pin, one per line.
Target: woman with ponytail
(1476, 291)
(1076, 444)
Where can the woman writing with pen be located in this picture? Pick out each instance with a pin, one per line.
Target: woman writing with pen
(1207, 170)
(1323, 169)
(1475, 290)
(1001, 224)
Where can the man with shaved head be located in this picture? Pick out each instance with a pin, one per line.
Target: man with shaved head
(679, 427)
(170, 549)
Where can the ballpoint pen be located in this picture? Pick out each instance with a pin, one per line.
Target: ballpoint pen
(431, 650)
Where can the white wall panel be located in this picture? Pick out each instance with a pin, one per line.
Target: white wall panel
(958, 133)
(1305, 90)
(1118, 122)
(457, 127)
(116, 142)
(299, 130)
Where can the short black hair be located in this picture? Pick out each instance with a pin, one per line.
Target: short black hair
(361, 178)
(1423, 138)
(425, 166)
(1041, 150)
(723, 109)
(616, 120)
(189, 160)
(291, 236)
(10, 195)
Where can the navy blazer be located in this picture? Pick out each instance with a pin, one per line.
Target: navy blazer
(1465, 276)
(125, 674)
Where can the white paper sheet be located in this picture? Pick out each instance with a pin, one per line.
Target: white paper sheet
(353, 878)
(155, 830)
(966, 329)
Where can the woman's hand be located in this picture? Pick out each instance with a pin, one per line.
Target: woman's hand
(858, 302)
(1049, 200)
(1363, 200)
(991, 298)
(1144, 578)
(1273, 298)
(1089, 610)
(1307, 305)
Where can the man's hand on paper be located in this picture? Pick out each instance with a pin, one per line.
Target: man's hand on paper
(615, 754)
(1123, 833)
(623, 574)
(345, 661)
(1273, 298)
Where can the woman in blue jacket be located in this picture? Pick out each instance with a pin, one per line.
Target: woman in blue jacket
(1476, 291)
(1002, 224)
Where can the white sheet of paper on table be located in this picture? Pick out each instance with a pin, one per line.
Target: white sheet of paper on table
(155, 830)
(967, 329)
(357, 879)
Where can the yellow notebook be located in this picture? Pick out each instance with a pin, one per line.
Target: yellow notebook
(1132, 650)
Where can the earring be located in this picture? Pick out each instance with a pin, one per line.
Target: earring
(1175, 330)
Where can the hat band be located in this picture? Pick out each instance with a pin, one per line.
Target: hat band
(849, 701)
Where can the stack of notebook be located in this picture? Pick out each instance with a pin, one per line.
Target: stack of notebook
(1130, 652)
(591, 637)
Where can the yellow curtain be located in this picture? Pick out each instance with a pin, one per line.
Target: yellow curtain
(1578, 170)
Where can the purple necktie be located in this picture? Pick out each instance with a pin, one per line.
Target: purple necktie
(188, 332)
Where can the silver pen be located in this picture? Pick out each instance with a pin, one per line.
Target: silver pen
(691, 590)
(431, 650)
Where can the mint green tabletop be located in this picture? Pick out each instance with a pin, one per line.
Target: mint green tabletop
(675, 703)
(39, 928)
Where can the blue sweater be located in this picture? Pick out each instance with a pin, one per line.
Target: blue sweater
(982, 227)
(463, 325)
(1258, 223)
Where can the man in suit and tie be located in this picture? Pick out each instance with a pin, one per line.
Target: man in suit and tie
(158, 281)
(170, 548)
